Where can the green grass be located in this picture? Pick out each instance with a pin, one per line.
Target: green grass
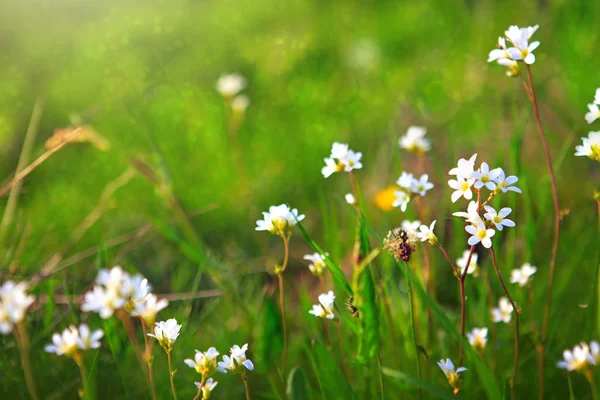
(143, 76)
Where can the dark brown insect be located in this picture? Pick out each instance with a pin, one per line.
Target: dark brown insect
(398, 245)
(350, 306)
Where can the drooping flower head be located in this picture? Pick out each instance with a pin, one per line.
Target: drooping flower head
(166, 332)
(236, 362)
(415, 141)
(447, 366)
(279, 220)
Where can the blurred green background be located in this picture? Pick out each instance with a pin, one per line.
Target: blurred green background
(143, 74)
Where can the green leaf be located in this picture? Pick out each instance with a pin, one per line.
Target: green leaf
(335, 271)
(297, 385)
(270, 344)
(426, 386)
(487, 378)
(330, 376)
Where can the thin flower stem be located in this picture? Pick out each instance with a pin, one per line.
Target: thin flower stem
(339, 331)
(516, 311)
(286, 246)
(412, 324)
(354, 191)
(245, 378)
(84, 379)
(148, 357)
(463, 305)
(544, 333)
(23, 344)
(490, 301)
(200, 388)
(171, 375)
(590, 378)
(445, 253)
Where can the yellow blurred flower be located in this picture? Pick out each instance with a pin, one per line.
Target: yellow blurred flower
(385, 198)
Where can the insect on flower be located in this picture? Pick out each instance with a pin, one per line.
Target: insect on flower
(399, 244)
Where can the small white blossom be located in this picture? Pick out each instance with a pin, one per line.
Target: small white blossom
(593, 114)
(352, 161)
(317, 263)
(447, 368)
(240, 103)
(166, 332)
(461, 263)
(478, 338)
(64, 343)
(472, 214)
(208, 387)
(579, 359)
(230, 85)
(236, 361)
(498, 218)
(14, 302)
(504, 183)
(406, 180)
(464, 168)
(590, 146)
(339, 150)
(88, 339)
(148, 309)
(522, 50)
(350, 199)
(426, 233)
(415, 141)
(484, 177)
(279, 220)
(500, 52)
(402, 199)
(204, 363)
(504, 311)
(421, 186)
(325, 307)
(480, 234)
(341, 159)
(522, 275)
(410, 226)
(462, 188)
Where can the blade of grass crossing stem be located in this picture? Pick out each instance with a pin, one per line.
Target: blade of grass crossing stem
(363, 286)
(297, 385)
(111, 335)
(487, 378)
(439, 392)
(330, 376)
(335, 271)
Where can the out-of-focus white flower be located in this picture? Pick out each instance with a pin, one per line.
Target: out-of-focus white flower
(240, 103)
(426, 233)
(484, 177)
(352, 161)
(236, 361)
(402, 199)
(279, 220)
(350, 199)
(325, 307)
(421, 186)
(522, 275)
(597, 96)
(208, 387)
(464, 168)
(204, 363)
(480, 234)
(595, 351)
(577, 360)
(339, 150)
(415, 140)
(406, 180)
(500, 52)
(88, 339)
(590, 146)
(166, 332)
(411, 228)
(331, 167)
(504, 311)
(230, 85)
(512, 67)
(461, 263)
(14, 302)
(503, 183)
(148, 309)
(472, 214)
(317, 263)
(64, 343)
(519, 37)
(451, 374)
(593, 114)
(498, 218)
(478, 338)
(462, 188)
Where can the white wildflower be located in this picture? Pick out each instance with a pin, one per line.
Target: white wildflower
(504, 311)
(522, 275)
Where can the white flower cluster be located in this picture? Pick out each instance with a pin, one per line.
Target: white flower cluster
(410, 187)
(341, 159)
(590, 146)
(115, 289)
(581, 358)
(236, 362)
(279, 220)
(229, 86)
(494, 180)
(14, 302)
(205, 363)
(325, 307)
(166, 332)
(521, 49)
(73, 339)
(415, 141)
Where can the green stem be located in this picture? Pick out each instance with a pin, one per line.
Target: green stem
(23, 344)
(245, 379)
(171, 375)
(84, 379)
(412, 323)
